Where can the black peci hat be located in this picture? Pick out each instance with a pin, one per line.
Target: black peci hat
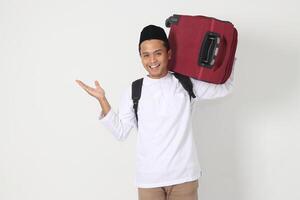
(153, 32)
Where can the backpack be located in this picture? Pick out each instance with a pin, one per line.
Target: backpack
(136, 88)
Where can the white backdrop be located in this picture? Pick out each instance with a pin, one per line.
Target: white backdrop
(52, 145)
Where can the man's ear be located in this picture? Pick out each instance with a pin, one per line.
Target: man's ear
(169, 54)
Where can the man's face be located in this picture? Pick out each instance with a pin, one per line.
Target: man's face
(155, 57)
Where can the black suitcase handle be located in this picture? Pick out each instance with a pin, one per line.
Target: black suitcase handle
(209, 49)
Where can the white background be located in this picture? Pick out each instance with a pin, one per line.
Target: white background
(52, 145)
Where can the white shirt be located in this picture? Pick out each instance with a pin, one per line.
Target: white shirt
(166, 153)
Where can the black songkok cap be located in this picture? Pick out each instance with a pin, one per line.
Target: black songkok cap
(153, 32)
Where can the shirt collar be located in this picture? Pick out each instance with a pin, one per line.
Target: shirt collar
(149, 81)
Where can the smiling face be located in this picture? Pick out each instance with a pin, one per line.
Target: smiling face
(155, 57)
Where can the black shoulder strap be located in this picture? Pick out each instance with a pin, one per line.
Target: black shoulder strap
(136, 90)
(186, 83)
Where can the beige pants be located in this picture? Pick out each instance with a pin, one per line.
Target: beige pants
(183, 191)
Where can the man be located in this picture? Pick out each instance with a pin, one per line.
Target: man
(167, 164)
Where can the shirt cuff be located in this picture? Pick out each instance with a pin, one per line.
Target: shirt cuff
(106, 117)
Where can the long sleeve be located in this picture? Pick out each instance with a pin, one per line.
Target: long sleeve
(120, 123)
(204, 90)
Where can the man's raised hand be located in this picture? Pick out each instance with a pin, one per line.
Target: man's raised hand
(96, 92)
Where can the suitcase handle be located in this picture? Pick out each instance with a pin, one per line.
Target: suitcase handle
(209, 49)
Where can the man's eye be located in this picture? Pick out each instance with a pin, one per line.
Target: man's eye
(145, 56)
(158, 53)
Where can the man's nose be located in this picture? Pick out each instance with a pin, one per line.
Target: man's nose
(153, 58)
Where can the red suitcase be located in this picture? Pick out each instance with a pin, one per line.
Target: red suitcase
(202, 47)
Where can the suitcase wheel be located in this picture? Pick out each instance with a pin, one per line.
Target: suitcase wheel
(172, 20)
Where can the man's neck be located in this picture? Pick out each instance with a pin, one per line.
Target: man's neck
(164, 75)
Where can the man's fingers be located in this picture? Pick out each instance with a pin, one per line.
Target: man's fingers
(92, 91)
(84, 86)
(81, 83)
(97, 84)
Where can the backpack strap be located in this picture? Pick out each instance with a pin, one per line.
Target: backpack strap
(186, 83)
(136, 90)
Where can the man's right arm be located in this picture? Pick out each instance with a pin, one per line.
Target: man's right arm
(119, 123)
(104, 105)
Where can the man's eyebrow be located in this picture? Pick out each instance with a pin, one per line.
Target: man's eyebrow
(146, 52)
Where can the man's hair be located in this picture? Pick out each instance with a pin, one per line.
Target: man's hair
(154, 32)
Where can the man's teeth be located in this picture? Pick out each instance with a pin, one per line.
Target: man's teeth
(153, 66)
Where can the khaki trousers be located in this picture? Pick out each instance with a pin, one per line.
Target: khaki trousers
(182, 191)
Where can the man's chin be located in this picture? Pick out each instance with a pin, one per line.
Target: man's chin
(156, 75)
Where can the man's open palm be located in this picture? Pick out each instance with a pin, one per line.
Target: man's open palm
(97, 92)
